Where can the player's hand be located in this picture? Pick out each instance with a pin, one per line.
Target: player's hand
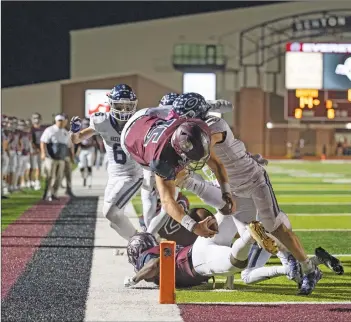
(128, 281)
(202, 228)
(229, 202)
(76, 124)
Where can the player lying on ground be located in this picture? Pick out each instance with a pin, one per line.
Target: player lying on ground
(166, 148)
(257, 258)
(124, 174)
(195, 263)
(251, 185)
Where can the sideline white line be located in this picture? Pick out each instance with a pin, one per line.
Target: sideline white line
(266, 303)
(108, 299)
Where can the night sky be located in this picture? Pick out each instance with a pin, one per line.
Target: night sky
(35, 35)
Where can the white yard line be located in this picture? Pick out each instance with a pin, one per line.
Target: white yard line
(108, 299)
(265, 303)
(323, 230)
(317, 203)
(320, 215)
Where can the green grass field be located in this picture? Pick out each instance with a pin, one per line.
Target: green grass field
(317, 198)
(17, 204)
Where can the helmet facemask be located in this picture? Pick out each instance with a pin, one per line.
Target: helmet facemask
(190, 156)
(123, 109)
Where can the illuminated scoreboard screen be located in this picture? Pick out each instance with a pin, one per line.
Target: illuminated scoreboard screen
(318, 81)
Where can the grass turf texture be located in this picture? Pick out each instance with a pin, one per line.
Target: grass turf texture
(309, 188)
(17, 204)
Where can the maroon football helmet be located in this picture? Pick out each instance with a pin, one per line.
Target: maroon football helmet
(192, 142)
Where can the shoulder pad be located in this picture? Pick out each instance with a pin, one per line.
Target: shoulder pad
(98, 117)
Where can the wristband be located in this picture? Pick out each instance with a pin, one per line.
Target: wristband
(188, 223)
(225, 187)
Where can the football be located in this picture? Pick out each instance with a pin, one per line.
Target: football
(199, 214)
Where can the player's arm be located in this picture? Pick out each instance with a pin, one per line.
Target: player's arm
(82, 135)
(150, 270)
(77, 135)
(219, 170)
(167, 189)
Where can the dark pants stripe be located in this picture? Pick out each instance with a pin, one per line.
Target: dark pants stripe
(274, 199)
(129, 194)
(254, 254)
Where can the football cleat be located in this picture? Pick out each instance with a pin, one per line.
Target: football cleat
(330, 261)
(295, 271)
(309, 282)
(259, 234)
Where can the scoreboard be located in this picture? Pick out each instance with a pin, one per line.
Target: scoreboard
(318, 81)
(318, 105)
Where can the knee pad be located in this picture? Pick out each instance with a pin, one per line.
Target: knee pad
(81, 170)
(90, 170)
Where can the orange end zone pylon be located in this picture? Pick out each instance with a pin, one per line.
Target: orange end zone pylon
(167, 272)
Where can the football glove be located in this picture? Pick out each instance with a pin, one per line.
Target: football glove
(76, 124)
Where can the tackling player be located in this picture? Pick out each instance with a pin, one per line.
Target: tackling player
(124, 174)
(251, 185)
(166, 148)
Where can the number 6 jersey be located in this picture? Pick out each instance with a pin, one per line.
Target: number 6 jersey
(110, 131)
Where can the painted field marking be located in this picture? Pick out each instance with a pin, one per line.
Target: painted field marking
(323, 230)
(320, 215)
(317, 203)
(265, 303)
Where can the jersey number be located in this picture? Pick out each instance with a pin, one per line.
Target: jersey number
(155, 134)
(118, 154)
(171, 226)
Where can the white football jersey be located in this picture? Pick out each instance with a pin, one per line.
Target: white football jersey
(241, 168)
(118, 162)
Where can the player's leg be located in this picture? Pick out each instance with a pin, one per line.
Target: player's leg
(90, 160)
(256, 271)
(27, 172)
(275, 221)
(21, 170)
(4, 171)
(35, 171)
(118, 192)
(210, 259)
(82, 164)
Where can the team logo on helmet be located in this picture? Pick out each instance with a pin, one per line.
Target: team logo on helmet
(191, 105)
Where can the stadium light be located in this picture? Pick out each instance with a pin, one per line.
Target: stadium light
(348, 126)
(269, 125)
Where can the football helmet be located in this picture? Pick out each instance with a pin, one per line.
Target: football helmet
(191, 105)
(123, 102)
(138, 244)
(192, 142)
(168, 99)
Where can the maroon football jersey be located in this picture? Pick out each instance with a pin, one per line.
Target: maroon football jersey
(149, 143)
(184, 275)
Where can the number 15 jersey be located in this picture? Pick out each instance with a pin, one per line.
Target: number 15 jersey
(118, 162)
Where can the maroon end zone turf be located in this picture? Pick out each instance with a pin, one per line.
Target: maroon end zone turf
(21, 239)
(265, 313)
